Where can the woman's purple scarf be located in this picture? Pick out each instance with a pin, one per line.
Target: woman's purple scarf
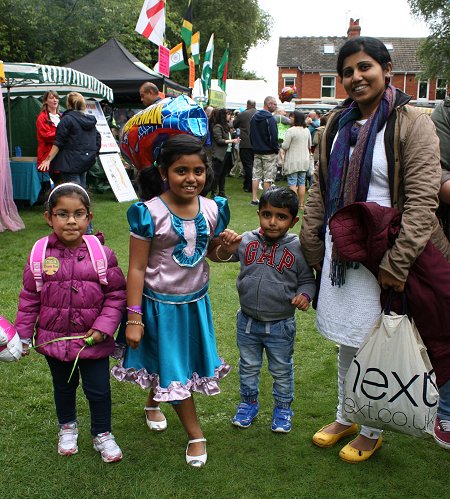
(348, 180)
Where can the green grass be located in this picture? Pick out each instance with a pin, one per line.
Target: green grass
(242, 463)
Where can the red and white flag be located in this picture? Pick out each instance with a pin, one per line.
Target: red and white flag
(152, 21)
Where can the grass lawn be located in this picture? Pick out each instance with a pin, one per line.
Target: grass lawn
(247, 463)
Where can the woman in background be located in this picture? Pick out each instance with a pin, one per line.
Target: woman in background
(222, 150)
(297, 144)
(77, 143)
(47, 121)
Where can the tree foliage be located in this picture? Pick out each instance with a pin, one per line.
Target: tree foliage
(434, 53)
(60, 31)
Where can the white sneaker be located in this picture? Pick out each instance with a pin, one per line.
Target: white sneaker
(68, 437)
(105, 443)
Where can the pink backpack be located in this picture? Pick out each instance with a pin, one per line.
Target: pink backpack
(96, 252)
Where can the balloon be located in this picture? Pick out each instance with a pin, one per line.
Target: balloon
(10, 344)
(147, 130)
(287, 94)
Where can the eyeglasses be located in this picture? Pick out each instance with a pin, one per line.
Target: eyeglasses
(63, 216)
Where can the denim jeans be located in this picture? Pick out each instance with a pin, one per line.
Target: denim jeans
(277, 339)
(95, 376)
(444, 401)
(76, 178)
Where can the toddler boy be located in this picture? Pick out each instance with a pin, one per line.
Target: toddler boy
(274, 280)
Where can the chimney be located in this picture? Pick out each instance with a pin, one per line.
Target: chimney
(354, 29)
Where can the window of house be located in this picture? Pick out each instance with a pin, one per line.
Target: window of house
(389, 46)
(328, 49)
(422, 91)
(441, 88)
(289, 81)
(328, 88)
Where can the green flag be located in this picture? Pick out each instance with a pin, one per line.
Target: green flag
(207, 66)
(186, 34)
(222, 71)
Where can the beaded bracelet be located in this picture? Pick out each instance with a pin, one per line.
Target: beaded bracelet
(221, 259)
(136, 309)
(136, 323)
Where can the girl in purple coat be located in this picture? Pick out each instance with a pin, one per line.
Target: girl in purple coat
(73, 317)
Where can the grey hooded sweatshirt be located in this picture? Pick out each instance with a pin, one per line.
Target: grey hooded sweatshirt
(272, 273)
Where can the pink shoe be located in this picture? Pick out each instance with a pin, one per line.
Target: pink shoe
(105, 443)
(68, 438)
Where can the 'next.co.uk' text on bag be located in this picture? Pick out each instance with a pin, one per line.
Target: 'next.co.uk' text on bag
(376, 385)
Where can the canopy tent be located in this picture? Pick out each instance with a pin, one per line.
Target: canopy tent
(118, 68)
(239, 91)
(23, 80)
(32, 81)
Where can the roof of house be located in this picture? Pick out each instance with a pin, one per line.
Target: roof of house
(307, 53)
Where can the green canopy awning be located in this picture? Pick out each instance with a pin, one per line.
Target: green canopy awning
(24, 80)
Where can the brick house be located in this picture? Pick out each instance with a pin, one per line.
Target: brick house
(309, 63)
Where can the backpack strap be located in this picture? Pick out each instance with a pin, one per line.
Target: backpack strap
(37, 256)
(96, 253)
(98, 257)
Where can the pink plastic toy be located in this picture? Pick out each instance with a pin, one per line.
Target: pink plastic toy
(10, 344)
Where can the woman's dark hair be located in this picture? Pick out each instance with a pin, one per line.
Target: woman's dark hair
(68, 189)
(222, 119)
(371, 46)
(150, 183)
(299, 119)
(280, 197)
(212, 119)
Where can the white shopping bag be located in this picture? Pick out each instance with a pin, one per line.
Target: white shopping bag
(391, 383)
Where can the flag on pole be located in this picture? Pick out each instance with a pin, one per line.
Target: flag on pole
(152, 21)
(186, 34)
(195, 47)
(222, 71)
(176, 54)
(207, 66)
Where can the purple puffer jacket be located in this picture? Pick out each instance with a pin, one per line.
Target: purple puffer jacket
(71, 302)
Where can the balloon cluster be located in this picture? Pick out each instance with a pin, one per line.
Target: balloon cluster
(144, 134)
(287, 94)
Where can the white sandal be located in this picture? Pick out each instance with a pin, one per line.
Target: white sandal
(155, 425)
(196, 461)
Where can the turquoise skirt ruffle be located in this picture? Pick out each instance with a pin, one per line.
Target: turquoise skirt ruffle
(178, 353)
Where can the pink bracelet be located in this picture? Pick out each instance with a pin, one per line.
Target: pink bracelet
(136, 309)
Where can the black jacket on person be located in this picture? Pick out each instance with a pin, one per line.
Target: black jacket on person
(264, 133)
(78, 142)
(242, 121)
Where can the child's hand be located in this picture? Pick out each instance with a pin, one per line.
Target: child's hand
(133, 335)
(301, 302)
(98, 337)
(229, 240)
(25, 349)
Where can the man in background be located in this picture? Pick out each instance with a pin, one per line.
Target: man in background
(149, 93)
(242, 121)
(264, 140)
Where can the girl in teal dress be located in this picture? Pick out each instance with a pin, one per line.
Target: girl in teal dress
(171, 347)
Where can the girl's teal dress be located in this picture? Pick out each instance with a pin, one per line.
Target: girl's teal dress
(178, 353)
